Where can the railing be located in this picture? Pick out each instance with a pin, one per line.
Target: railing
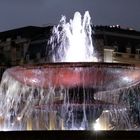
(126, 55)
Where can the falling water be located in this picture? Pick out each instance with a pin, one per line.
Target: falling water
(72, 41)
(78, 97)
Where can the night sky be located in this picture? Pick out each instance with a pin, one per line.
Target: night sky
(19, 13)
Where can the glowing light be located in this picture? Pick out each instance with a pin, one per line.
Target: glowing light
(127, 79)
(81, 128)
(8, 100)
(6, 129)
(75, 128)
(95, 59)
(97, 125)
(123, 109)
(19, 118)
(35, 80)
(106, 111)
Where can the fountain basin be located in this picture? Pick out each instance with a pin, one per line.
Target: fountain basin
(100, 76)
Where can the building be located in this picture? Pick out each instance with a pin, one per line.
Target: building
(116, 44)
(14, 44)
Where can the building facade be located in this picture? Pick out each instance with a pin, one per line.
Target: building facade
(15, 44)
(117, 44)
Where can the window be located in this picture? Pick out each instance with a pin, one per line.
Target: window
(137, 51)
(8, 39)
(128, 50)
(27, 57)
(38, 56)
(116, 48)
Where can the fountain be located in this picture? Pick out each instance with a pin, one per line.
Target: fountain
(74, 92)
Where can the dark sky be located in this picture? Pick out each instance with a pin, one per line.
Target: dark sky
(19, 13)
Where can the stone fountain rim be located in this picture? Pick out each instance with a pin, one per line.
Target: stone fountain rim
(80, 64)
(99, 65)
